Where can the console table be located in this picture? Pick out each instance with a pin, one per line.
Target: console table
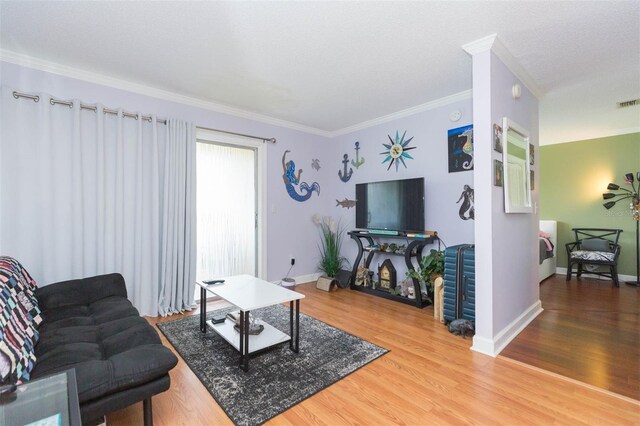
(414, 249)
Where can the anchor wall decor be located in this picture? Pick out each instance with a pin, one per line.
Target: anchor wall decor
(347, 174)
(358, 161)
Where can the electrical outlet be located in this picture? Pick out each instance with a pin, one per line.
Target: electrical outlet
(292, 260)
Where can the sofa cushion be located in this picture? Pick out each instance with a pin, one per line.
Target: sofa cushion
(110, 346)
(602, 256)
(105, 310)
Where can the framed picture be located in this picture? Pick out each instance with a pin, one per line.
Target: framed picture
(460, 148)
(497, 138)
(533, 180)
(532, 158)
(498, 173)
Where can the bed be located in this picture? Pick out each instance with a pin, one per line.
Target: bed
(547, 258)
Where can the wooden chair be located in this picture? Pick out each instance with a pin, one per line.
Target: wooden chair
(594, 246)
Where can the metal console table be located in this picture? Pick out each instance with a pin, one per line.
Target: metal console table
(414, 249)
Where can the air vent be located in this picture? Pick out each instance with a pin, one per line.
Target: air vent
(628, 103)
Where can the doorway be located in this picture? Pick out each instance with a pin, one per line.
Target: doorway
(228, 204)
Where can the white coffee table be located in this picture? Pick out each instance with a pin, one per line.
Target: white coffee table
(248, 293)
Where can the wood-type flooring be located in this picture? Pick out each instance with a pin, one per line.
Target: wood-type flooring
(589, 331)
(429, 377)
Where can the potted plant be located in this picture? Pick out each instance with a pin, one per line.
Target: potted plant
(431, 266)
(331, 261)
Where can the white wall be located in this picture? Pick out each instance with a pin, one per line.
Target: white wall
(506, 258)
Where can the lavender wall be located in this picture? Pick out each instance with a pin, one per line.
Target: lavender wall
(515, 236)
(506, 258)
(289, 227)
(290, 231)
(485, 194)
(442, 189)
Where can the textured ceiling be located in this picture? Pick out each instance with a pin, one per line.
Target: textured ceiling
(327, 65)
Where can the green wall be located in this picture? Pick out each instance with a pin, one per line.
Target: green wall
(573, 177)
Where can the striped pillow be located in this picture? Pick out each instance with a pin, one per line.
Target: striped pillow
(19, 318)
(9, 267)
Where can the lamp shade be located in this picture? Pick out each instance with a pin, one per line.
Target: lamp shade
(608, 195)
(628, 177)
(609, 204)
(613, 187)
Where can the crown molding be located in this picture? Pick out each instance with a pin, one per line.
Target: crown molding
(481, 45)
(456, 97)
(493, 43)
(96, 78)
(104, 80)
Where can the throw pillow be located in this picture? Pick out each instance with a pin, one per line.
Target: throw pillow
(595, 244)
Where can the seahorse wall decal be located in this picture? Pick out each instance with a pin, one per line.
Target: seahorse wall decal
(467, 148)
(290, 179)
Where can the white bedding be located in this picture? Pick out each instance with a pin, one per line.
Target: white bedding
(548, 267)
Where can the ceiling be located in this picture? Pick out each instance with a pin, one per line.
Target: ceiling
(332, 65)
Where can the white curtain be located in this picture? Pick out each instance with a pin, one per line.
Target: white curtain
(84, 193)
(226, 210)
(178, 219)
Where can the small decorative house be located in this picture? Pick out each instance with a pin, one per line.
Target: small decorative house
(387, 274)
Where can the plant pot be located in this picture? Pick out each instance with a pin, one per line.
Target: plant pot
(326, 283)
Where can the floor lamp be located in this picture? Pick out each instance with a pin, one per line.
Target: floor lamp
(634, 198)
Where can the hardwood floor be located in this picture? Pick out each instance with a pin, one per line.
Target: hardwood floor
(589, 331)
(428, 377)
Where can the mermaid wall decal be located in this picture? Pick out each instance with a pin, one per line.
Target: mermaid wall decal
(467, 210)
(291, 179)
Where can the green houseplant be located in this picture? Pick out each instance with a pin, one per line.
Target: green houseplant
(431, 266)
(331, 233)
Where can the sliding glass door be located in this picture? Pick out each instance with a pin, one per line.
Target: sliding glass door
(227, 210)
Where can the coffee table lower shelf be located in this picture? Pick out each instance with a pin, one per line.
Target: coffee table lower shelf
(269, 337)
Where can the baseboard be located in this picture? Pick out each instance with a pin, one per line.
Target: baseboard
(621, 277)
(501, 340)
(307, 278)
(301, 279)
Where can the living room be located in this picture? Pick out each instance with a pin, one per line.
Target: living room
(508, 298)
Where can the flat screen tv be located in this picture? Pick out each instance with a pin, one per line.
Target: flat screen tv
(395, 205)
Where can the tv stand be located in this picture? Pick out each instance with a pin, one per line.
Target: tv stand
(414, 249)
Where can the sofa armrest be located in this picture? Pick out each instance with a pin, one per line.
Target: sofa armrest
(80, 292)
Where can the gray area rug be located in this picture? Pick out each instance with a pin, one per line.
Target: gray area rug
(277, 379)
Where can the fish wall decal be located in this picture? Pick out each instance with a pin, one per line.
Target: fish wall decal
(346, 203)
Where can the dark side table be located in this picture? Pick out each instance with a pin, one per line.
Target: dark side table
(50, 400)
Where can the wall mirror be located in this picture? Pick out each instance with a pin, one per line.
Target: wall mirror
(515, 157)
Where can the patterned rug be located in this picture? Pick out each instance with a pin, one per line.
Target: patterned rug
(277, 379)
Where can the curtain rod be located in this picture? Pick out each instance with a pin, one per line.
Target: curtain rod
(93, 108)
(272, 140)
